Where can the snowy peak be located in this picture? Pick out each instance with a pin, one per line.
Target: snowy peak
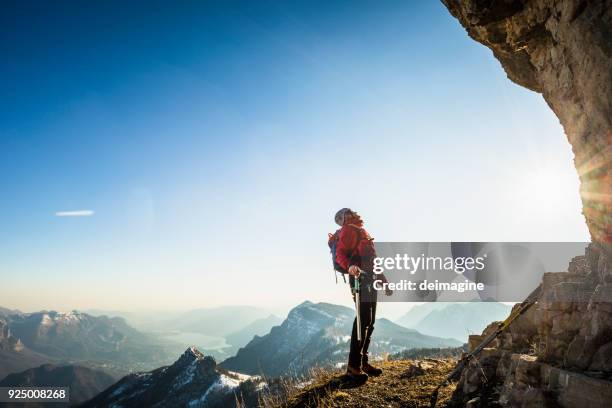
(62, 318)
(193, 380)
(319, 314)
(190, 355)
(192, 367)
(192, 351)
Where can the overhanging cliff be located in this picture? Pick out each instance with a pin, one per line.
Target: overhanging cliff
(560, 352)
(563, 50)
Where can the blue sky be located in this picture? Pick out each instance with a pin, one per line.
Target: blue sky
(215, 140)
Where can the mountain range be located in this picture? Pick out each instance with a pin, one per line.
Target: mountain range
(96, 348)
(456, 320)
(28, 340)
(313, 334)
(14, 355)
(318, 335)
(7, 312)
(218, 321)
(215, 321)
(218, 331)
(418, 312)
(194, 380)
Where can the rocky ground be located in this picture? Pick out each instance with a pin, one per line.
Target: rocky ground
(405, 383)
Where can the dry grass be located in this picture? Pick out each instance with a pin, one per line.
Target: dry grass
(330, 389)
(280, 390)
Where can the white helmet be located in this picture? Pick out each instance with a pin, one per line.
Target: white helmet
(339, 217)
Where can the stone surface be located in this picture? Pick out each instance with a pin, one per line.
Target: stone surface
(535, 384)
(602, 360)
(414, 370)
(543, 356)
(561, 49)
(574, 389)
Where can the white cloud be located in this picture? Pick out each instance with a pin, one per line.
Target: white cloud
(78, 213)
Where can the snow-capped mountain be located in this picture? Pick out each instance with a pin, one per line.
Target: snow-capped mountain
(79, 337)
(319, 335)
(72, 334)
(194, 380)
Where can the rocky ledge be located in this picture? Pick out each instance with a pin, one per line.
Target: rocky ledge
(559, 353)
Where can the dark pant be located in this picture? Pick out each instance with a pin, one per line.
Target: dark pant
(359, 349)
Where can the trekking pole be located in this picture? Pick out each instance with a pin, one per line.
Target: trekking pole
(356, 290)
(527, 303)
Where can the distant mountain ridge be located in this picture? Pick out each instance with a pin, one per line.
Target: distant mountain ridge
(75, 337)
(7, 312)
(259, 327)
(417, 313)
(457, 320)
(218, 321)
(214, 321)
(318, 334)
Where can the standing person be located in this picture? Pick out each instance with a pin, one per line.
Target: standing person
(355, 253)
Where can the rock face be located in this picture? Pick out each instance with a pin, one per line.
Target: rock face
(14, 356)
(563, 50)
(559, 353)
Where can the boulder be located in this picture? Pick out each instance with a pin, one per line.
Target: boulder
(602, 360)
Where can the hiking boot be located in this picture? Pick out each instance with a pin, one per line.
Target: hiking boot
(371, 370)
(356, 373)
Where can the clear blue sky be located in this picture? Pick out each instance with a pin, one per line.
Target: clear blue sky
(214, 141)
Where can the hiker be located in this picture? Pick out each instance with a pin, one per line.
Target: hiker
(355, 254)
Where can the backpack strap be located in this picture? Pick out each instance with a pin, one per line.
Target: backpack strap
(359, 231)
